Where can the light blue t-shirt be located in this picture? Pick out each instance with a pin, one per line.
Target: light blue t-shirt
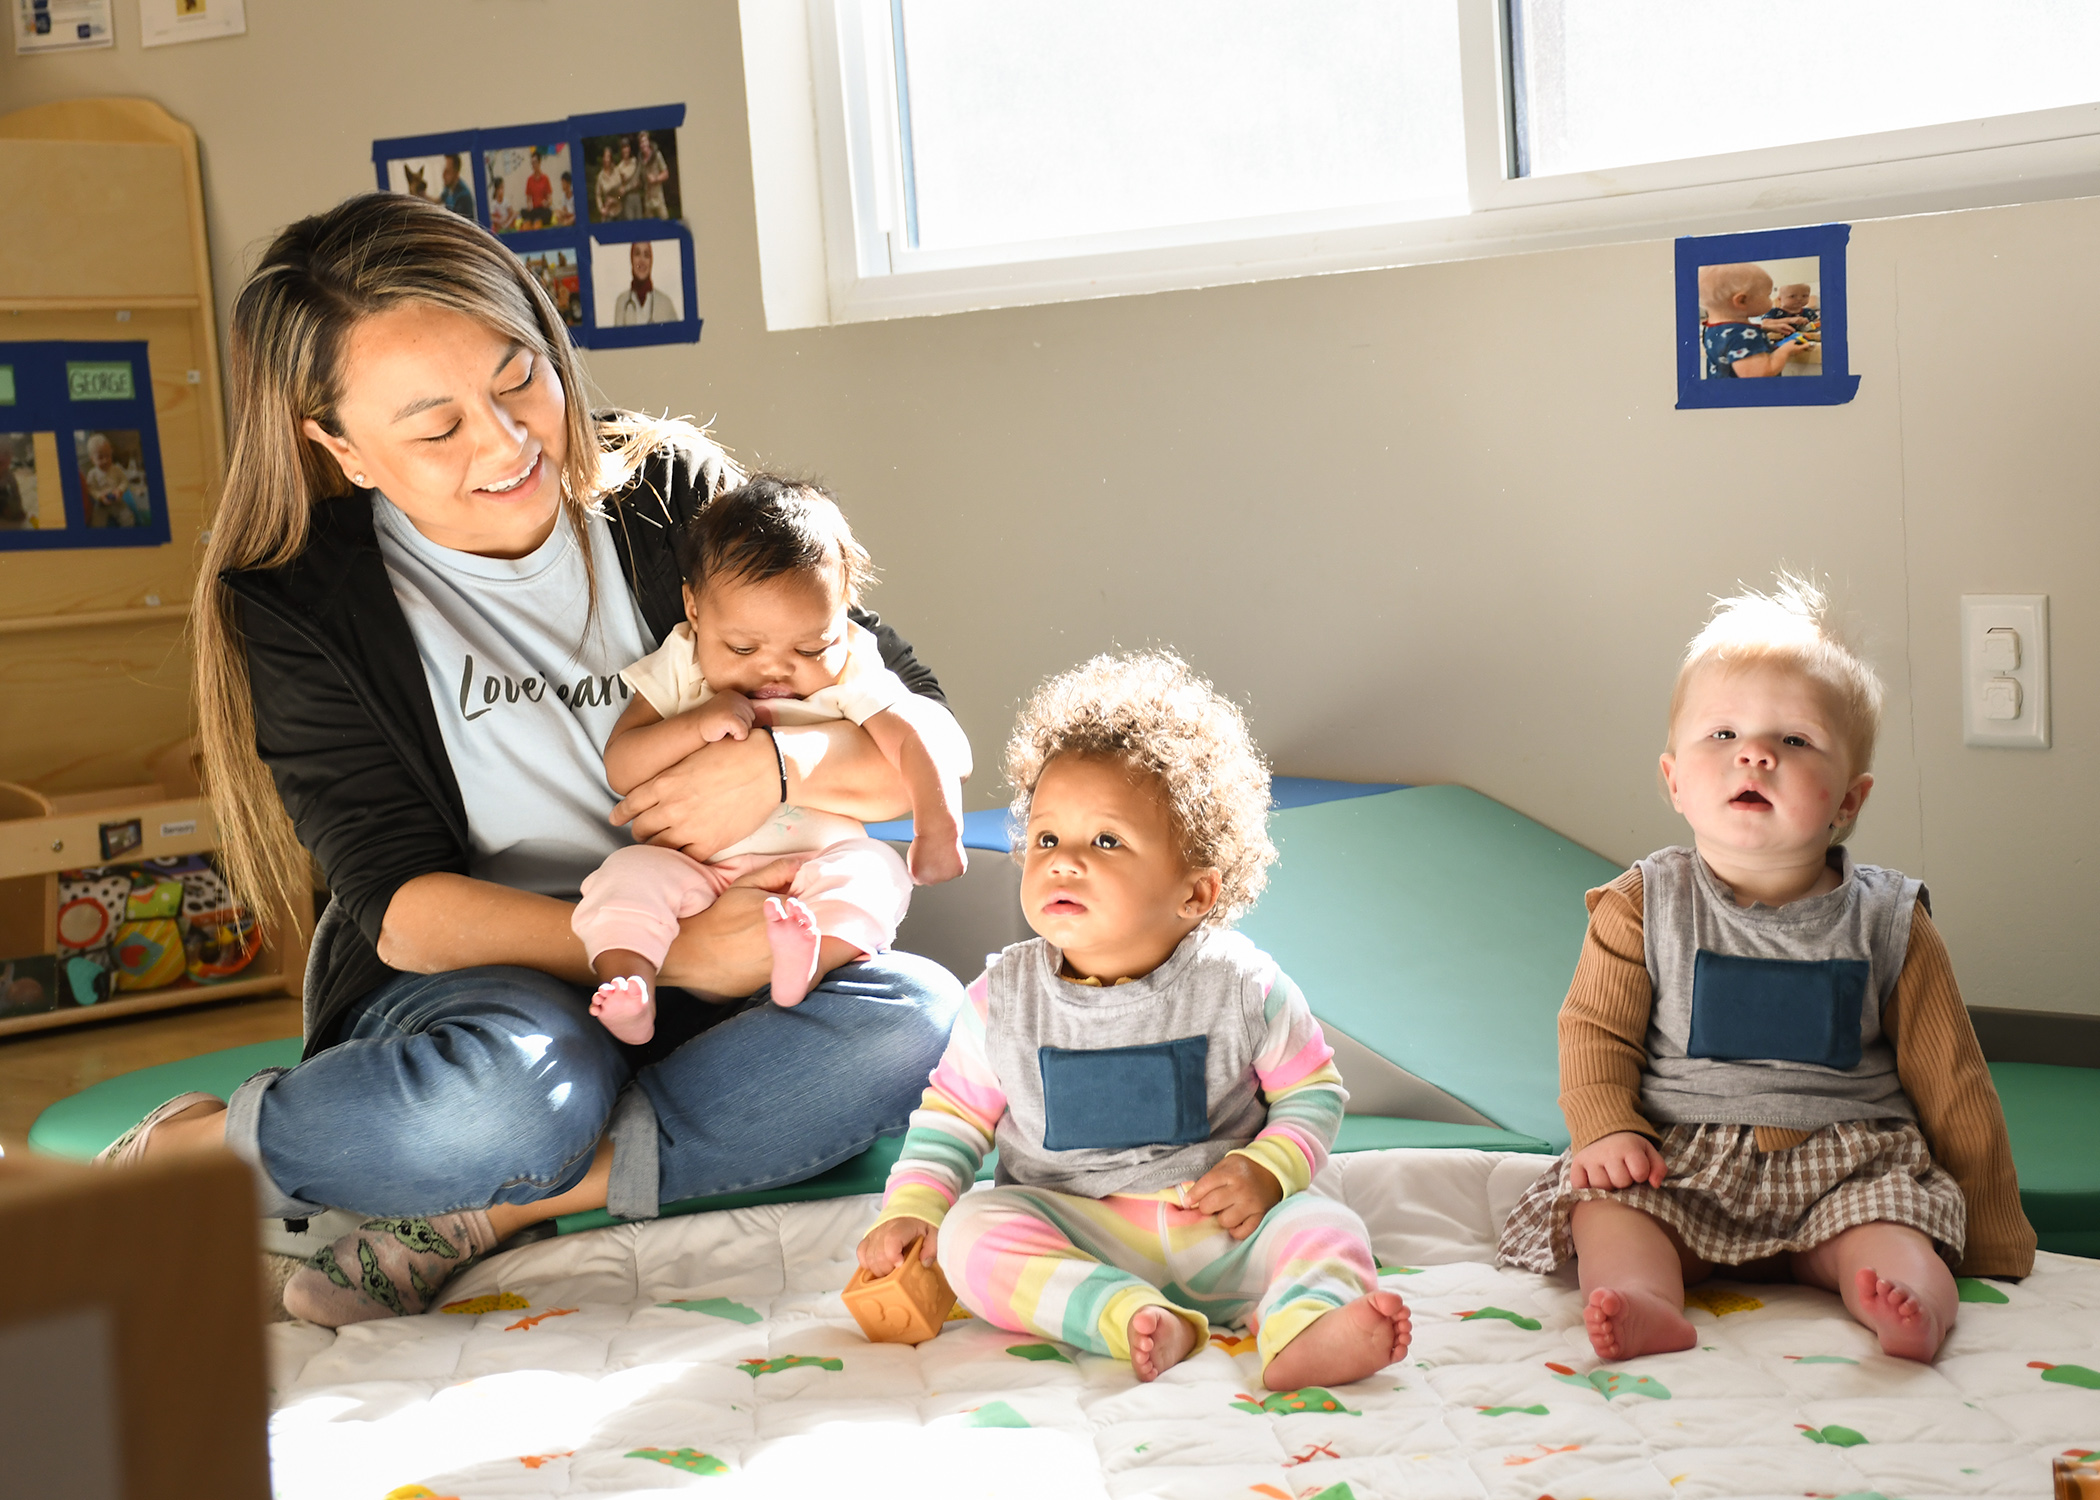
(525, 706)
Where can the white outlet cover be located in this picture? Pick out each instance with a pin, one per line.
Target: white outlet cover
(2028, 614)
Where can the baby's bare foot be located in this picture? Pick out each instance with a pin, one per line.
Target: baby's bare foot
(1159, 1340)
(1344, 1345)
(1907, 1328)
(1625, 1325)
(627, 1008)
(791, 929)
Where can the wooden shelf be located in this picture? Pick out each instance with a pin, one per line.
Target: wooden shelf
(42, 834)
(139, 1002)
(99, 304)
(141, 614)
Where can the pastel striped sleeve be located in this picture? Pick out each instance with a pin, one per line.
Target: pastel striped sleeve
(951, 1131)
(1304, 1089)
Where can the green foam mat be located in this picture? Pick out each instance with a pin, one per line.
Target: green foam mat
(2050, 1112)
(1440, 929)
(867, 1172)
(83, 1124)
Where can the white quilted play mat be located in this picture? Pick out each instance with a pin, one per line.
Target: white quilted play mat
(713, 1354)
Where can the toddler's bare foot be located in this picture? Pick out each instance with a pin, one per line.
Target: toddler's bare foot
(1344, 1345)
(1159, 1341)
(791, 929)
(1624, 1325)
(1906, 1327)
(627, 1008)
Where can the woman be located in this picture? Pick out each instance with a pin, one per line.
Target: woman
(630, 175)
(610, 188)
(655, 172)
(429, 565)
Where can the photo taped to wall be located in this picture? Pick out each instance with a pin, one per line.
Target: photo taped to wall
(446, 178)
(637, 283)
(19, 505)
(632, 176)
(560, 276)
(1761, 318)
(113, 490)
(530, 187)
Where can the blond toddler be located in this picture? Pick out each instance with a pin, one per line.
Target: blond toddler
(1764, 1060)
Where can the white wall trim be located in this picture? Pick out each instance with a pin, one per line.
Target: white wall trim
(848, 266)
(786, 192)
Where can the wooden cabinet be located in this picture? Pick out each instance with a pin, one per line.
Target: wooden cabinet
(43, 834)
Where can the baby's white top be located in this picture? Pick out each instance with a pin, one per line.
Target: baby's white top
(670, 678)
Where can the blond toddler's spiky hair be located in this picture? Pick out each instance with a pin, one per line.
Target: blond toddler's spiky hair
(1789, 628)
(1150, 710)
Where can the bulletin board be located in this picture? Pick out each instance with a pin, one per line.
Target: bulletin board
(82, 415)
(594, 205)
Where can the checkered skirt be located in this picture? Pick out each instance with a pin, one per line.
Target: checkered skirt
(1731, 1203)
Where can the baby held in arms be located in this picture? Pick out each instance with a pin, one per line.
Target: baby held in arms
(1764, 1061)
(770, 571)
(1158, 1091)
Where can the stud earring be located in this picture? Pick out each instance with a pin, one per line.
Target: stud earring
(360, 481)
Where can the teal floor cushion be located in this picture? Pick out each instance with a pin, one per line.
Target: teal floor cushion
(1439, 929)
(89, 1120)
(2053, 1116)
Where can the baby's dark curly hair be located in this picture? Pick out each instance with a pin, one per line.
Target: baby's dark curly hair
(1152, 711)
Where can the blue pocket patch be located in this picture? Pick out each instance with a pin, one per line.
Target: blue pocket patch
(1113, 1098)
(1778, 1009)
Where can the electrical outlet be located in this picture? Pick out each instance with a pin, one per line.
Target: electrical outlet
(2005, 670)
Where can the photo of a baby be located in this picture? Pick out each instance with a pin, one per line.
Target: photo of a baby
(637, 283)
(561, 277)
(1761, 318)
(113, 488)
(633, 176)
(528, 188)
(18, 497)
(446, 179)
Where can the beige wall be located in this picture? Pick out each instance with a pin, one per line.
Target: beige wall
(1431, 524)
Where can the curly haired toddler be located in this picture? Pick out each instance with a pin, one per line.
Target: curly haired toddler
(1158, 1091)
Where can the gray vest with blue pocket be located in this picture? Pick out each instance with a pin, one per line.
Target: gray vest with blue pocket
(1134, 1087)
(1772, 1015)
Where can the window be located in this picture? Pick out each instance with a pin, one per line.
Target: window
(922, 156)
(1616, 83)
(1031, 120)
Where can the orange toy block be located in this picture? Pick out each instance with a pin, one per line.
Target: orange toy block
(908, 1306)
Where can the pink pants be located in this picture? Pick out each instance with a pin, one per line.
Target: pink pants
(857, 890)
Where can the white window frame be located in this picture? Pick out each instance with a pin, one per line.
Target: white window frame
(820, 87)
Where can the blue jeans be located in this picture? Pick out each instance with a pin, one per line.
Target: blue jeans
(495, 1085)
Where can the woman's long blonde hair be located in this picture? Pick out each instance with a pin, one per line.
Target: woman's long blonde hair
(291, 324)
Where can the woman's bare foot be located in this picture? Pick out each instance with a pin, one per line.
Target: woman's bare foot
(1625, 1325)
(1159, 1340)
(1907, 1328)
(1344, 1345)
(627, 1006)
(791, 929)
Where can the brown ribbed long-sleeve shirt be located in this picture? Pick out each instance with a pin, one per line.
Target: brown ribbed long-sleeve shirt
(1603, 1036)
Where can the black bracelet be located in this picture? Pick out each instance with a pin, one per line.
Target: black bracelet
(781, 758)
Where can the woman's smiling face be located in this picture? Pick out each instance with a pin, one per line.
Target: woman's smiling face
(460, 426)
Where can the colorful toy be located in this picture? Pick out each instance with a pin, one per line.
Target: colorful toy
(2076, 1473)
(149, 953)
(908, 1306)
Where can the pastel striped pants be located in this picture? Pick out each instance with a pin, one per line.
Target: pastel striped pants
(1076, 1269)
